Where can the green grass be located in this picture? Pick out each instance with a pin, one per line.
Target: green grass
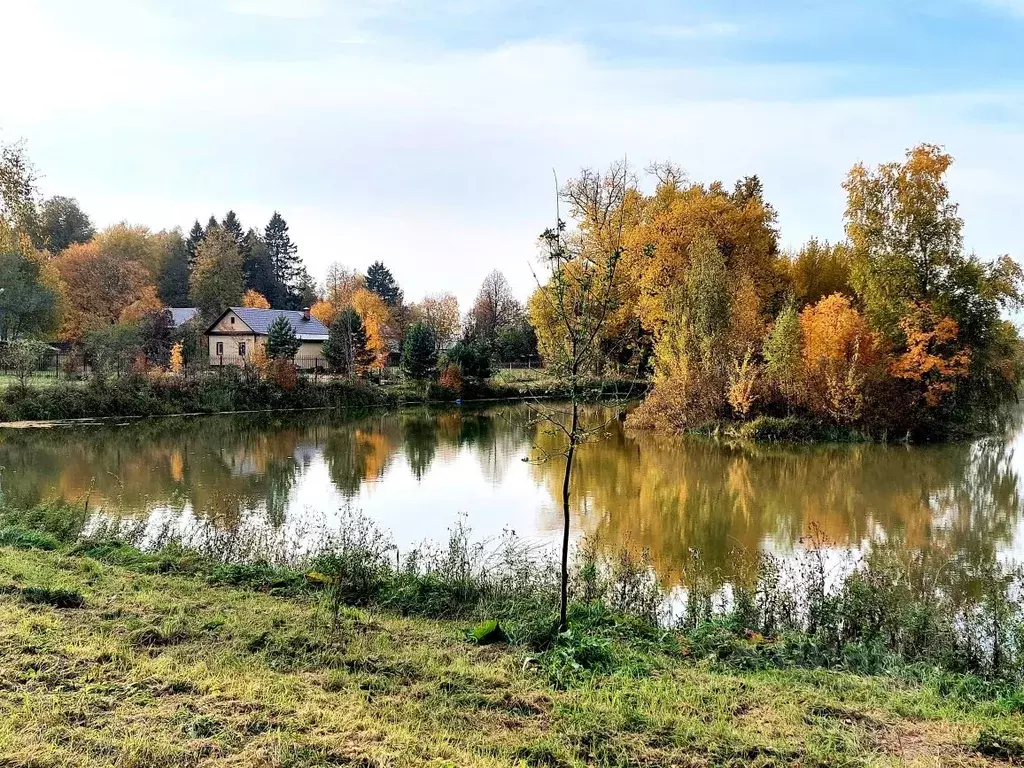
(149, 669)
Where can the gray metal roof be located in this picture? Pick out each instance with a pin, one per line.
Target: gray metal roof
(259, 320)
(182, 315)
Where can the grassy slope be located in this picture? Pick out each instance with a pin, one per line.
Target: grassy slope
(168, 671)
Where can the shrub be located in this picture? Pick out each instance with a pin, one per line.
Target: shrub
(451, 379)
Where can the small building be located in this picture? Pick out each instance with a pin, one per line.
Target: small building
(240, 330)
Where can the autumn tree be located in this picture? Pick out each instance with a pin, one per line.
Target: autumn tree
(934, 362)
(820, 269)
(375, 316)
(839, 350)
(146, 303)
(100, 284)
(440, 312)
(495, 308)
(254, 300)
(380, 281)
(216, 281)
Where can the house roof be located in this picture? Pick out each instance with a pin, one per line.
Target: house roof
(182, 315)
(260, 320)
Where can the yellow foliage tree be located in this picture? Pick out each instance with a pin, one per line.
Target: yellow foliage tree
(255, 300)
(177, 360)
(324, 311)
(376, 317)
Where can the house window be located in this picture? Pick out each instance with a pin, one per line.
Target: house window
(232, 320)
(220, 347)
(241, 349)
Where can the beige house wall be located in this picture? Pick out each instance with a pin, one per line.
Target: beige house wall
(230, 335)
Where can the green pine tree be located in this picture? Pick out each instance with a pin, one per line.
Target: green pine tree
(283, 254)
(379, 280)
(419, 354)
(195, 237)
(282, 344)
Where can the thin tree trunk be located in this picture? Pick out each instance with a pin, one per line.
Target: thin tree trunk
(563, 621)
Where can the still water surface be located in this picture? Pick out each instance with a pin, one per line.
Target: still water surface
(694, 503)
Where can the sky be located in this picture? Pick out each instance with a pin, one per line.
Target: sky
(426, 134)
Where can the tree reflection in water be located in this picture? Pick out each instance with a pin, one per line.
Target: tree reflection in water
(693, 503)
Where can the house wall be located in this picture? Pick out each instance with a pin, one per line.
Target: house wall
(309, 351)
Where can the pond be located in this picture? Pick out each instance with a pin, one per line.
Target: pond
(694, 503)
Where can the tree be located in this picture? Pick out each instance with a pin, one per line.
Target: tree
(147, 303)
(582, 293)
(24, 357)
(934, 362)
(216, 282)
(258, 271)
(782, 352)
(195, 238)
(282, 343)
(345, 349)
(254, 300)
(820, 269)
(283, 256)
(375, 316)
(472, 358)
(27, 304)
(133, 243)
(18, 189)
(380, 281)
(905, 232)
(155, 333)
(100, 284)
(172, 284)
(233, 227)
(495, 308)
(440, 312)
(63, 223)
(419, 353)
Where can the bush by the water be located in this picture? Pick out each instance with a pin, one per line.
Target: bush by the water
(229, 390)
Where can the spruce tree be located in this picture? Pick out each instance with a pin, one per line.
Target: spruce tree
(283, 255)
(380, 280)
(419, 354)
(195, 237)
(282, 344)
(212, 224)
(233, 227)
(172, 282)
(259, 272)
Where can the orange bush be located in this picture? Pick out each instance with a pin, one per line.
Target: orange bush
(284, 374)
(451, 379)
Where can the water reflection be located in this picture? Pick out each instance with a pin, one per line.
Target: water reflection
(693, 503)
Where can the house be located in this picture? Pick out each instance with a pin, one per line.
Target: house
(240, 330)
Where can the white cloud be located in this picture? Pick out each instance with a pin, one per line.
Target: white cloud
(440, 163)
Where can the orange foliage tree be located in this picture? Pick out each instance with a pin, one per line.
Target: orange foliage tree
(324, 311)
(255, 300)
(839, 352)
(99, 286)
(933, 360)
(147, 303)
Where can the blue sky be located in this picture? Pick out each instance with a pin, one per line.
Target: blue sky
(425, 133)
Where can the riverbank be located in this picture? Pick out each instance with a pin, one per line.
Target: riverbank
(202, 652)
(144, 669)
(231, 392)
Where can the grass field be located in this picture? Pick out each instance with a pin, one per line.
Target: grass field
(102, 665)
